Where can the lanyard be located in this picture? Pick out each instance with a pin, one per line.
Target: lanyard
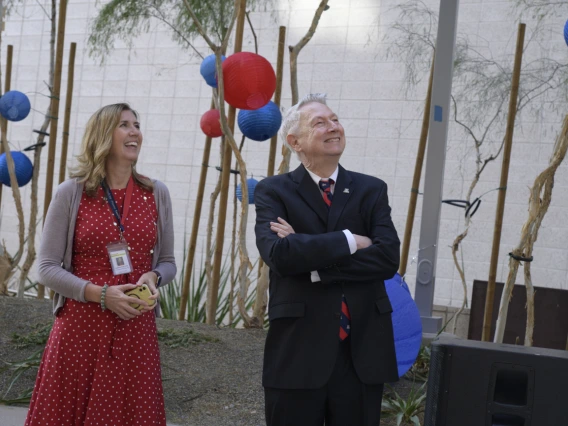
(112, 202)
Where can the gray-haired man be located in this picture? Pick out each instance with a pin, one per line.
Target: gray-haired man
(327, 236)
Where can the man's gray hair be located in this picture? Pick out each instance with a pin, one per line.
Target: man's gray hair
(291, 119)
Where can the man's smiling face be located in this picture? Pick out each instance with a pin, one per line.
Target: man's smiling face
(320, 134)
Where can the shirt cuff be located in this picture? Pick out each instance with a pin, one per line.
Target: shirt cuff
(350, 240)
(315, 277)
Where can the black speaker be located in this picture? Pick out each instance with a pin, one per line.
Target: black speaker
(475, 383)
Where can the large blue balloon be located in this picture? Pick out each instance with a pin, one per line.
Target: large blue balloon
(14, 105)
(251, 184)
(23, 166)
(566, 32)
(260, 124)
(208, 70)
(406, 323)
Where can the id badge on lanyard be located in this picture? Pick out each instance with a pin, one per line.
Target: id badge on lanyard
(118, 251)
(119, 258)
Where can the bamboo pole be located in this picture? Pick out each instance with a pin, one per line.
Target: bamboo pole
(262, 282)
(294, 52)
(67, 118)
(195, 227)
(5, 264)
(417, 175)
(277, 96)
(12, 262)
(234, 248)
(539, 202)
(490, 296)
(7, 83)
(213, 290)
(54, 112)
(42, 133)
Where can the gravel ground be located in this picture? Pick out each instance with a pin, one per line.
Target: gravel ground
(214, 382)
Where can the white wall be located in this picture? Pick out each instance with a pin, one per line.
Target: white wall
(346, 59)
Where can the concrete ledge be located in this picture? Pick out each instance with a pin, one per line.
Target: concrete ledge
(447, 313)
(13, 416)
(427, 338)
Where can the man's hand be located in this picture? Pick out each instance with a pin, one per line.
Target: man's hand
(362, 242)
(282, 228)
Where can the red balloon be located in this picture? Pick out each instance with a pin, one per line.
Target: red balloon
(210, 123)
(249, 80)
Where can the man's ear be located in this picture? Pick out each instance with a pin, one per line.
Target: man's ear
(293, 142)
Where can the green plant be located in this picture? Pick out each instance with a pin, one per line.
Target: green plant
(421, 367)
(38, 336)
(183, 338)
(125, 20)
(170, 296)
(405, 410)
(18, 368)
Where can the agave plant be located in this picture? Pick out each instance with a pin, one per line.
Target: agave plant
(405, 410)
(421, 367)
(170, 296)
(18, 368)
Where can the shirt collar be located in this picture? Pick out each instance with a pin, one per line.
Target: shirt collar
(317, 178)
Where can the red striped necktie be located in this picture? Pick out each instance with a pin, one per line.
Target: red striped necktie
(345, 317)
(325, 186)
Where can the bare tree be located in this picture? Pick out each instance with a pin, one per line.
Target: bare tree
(244, 281)
(125, 20)
(482, 81)
(541, 10)
(33, 220)
(539, 201)
(294, 52)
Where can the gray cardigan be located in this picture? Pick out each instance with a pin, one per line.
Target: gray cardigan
(56, 249)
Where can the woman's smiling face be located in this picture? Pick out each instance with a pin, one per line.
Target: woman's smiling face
(126, 139)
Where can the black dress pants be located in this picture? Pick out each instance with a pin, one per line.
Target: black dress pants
(343, 401)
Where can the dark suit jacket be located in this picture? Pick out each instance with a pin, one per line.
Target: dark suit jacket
(303, 338)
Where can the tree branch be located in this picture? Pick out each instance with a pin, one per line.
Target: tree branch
(244, 258)
(253, 33)
(199, 26)
(160, 16)
(294, 52)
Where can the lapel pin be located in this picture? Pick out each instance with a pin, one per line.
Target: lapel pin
(346, 191)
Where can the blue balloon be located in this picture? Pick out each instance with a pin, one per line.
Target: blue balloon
(23, 166)
(566, 32)
(251, 184)
(406, 323)
(208, 70)
(14, 105)
(260, 124)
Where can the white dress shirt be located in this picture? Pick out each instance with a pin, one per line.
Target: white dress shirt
(350, 238)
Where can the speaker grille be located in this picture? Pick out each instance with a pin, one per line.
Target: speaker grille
(437, 357)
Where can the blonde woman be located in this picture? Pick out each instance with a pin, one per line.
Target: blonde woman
(108, 230)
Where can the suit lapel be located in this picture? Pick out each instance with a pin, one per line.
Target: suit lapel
(342, 192)
(309, 191)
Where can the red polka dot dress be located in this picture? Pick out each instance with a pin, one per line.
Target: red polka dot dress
(98, 369)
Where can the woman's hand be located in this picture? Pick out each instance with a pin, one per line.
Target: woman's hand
(150, 279)
(119, 303)
(282, 228)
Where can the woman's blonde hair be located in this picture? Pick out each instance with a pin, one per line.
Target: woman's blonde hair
(96, 145)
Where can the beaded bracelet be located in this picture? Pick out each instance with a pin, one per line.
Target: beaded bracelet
(103, 294)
